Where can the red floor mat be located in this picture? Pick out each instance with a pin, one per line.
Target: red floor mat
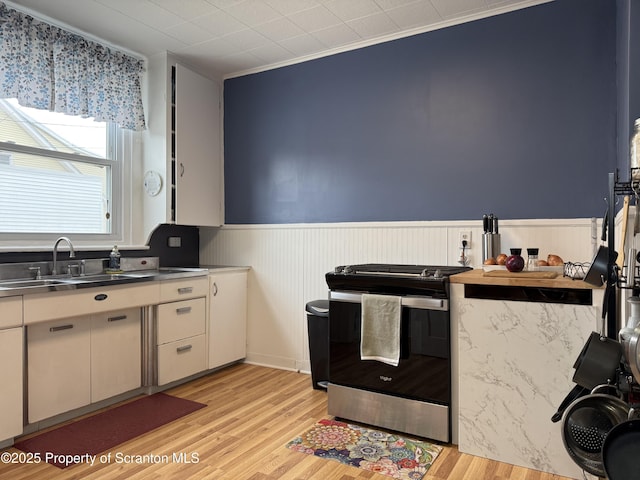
(103, 431)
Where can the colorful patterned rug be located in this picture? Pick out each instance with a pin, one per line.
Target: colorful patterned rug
(380, 452)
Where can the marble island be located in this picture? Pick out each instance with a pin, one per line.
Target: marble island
(516, 341)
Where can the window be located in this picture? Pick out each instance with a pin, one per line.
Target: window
(58, 174)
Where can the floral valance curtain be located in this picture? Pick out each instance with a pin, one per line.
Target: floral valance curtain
(49, 68)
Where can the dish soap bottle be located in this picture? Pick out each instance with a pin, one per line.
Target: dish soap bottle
(114, 259)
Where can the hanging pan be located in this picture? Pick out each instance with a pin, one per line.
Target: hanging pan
(598, 272)
(577, 392)
(599, 269)
(586, 424)
(621, 451)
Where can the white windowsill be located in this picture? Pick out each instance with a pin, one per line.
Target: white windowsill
(64, 248)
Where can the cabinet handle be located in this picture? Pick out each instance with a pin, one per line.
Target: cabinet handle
(184, 290)
(60, 327)
(184, 348)
(181, 169)
(115, 319)
(183, 310)
(215, 289)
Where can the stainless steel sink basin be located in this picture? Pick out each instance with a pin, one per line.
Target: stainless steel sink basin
(101, 277)
(105, 277)
(51, 282)
(30, 283)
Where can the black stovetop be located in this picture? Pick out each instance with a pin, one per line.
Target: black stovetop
(394, 279)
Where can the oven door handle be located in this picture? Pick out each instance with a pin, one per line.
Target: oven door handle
(424, 303)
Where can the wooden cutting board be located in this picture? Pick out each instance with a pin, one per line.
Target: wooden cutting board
(507, 273)
(623, 235)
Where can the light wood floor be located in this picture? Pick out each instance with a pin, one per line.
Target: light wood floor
(251, 413)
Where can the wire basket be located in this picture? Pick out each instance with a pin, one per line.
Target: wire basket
(576, 271)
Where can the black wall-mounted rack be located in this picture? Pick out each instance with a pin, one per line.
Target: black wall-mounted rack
(616, 188)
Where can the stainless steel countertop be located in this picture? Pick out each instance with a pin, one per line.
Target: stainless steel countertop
(15, 287)
(225, 268)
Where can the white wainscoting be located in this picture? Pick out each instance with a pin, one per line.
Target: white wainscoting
(288, 264)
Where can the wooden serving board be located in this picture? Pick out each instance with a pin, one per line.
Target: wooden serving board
(507, 273)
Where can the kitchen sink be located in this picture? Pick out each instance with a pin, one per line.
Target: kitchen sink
(58, 282)
(29, 286)
(101, 277)
(31, 283)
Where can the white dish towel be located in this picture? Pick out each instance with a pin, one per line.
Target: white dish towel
(380, 332)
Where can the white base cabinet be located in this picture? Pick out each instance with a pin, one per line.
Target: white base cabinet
(227, 317)
(116, 353)
(81, 360)
(181, 329)
(59, 368)
(11, 359)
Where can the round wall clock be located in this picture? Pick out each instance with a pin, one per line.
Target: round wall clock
(152, 183)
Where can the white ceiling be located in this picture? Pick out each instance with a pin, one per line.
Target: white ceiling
(231, 37)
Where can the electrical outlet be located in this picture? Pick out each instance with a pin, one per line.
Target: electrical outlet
(464, 235)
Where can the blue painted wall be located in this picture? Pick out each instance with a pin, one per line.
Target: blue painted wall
(514, 114)
(628, 76)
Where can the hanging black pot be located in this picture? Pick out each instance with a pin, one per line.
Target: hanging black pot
(601, 355)
(598, 361)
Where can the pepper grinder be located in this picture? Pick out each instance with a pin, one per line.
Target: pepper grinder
(532, 260)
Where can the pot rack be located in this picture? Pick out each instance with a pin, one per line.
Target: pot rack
(625, 385)
(625, 382)
(616, 188)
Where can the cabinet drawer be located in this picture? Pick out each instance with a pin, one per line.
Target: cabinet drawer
(51, 306)
(182, 358)
(11, 308)
(178, 320)
(183, 289)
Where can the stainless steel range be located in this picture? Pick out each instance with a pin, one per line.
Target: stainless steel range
(415, 396)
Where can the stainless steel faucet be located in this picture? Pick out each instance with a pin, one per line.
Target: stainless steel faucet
(72, 253)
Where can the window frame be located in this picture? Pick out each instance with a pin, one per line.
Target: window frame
(119, 156)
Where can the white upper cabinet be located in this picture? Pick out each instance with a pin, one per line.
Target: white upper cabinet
(197, 149)
(182, 147)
